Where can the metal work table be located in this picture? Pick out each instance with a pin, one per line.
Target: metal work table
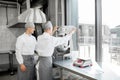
(91, 73)
(10, 54)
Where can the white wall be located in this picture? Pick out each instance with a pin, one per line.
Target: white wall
(8, 35)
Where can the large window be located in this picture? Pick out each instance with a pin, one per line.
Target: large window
(86, 29)
(111, 34)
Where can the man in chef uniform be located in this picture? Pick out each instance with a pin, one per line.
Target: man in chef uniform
(25, 47)
(45, 48)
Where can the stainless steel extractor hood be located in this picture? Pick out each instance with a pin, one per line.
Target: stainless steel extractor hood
(30, 15)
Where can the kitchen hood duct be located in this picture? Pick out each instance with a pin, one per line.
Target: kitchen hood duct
(34, 15)
(35, 3)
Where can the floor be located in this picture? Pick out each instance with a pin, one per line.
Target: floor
(6, 76)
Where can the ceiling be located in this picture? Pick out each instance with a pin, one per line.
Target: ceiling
(33, 2)
(20, 1)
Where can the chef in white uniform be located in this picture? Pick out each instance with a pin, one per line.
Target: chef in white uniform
(25, 47)
(45, 48)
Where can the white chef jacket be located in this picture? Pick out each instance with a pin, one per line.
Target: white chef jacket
(46, 43)
(25, 45)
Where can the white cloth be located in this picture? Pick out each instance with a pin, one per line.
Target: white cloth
(25, 45)
(46, 43)
(37, 70)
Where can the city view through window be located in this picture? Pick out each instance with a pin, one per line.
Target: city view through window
(110, 30)
(86, 28)
(110, 17)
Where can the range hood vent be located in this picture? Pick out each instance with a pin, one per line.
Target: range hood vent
(31, 15)
(34, 15)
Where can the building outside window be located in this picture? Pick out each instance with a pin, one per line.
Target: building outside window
(86, 28)
(110, 17)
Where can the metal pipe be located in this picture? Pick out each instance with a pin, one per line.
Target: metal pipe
(12, 3)
(9, 6)
(62, 12)
(28, 4)
(56, 12)
(8, 2)
(7, 14)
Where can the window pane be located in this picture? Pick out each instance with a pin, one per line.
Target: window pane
(111, 34)
(86, 31)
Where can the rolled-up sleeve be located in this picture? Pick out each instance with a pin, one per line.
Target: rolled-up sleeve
(61, 40)
(19, 45)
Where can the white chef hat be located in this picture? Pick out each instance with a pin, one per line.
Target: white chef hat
(29, 24)
(47, 25)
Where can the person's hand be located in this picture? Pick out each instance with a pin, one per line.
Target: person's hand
(23, 67)
(72, 31)
(55, 28)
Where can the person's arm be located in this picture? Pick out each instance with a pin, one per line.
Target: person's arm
(19, 45)
(72, 31)
(54, 29)
(62, 40)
